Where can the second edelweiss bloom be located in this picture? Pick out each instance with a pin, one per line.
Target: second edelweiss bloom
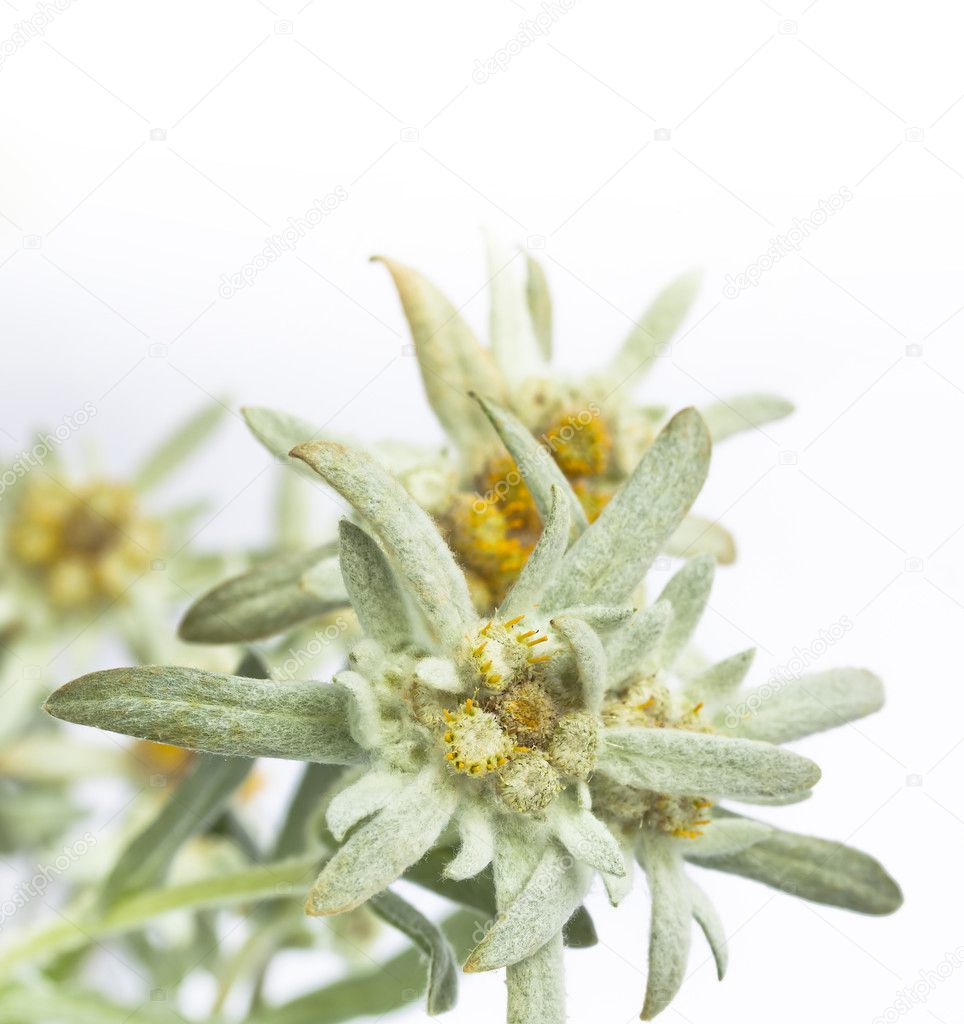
(548, 741)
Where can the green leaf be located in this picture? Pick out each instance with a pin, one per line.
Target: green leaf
(687, 593)
(265, 881)
(669, 926)
(692, 763)
(744, 412)
(368, 993)
(178, 447)
(815, 869)
(268, 599)
(194, 804)
(654, 329)
(540, 304)
(443, 974)
(587, 838)
(381, 850)
(408, 533)
(782, 711)
(316, 780)
(452, 361)
(535, 463)
(608, 561)
(40, 1004)
(210, 711)
(372, 588)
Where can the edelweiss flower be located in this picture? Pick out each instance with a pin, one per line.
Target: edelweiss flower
(590, 427)
(548, 737)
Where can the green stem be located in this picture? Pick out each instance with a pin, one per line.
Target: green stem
(268, 881)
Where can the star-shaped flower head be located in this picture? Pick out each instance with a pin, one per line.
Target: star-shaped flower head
(547, 737)
(590, 427)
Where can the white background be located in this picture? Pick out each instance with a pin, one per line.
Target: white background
(113, 247)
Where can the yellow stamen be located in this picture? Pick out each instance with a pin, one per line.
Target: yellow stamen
(540, 640)
(513, 622)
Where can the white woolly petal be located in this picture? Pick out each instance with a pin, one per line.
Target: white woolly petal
(654, 329)
(407, 532)
(726, 835)
(380, 851)
(590, 658)
(744, 412)
(718, 681)
(687, 593)
(587, 838)
(687, 763)
(477, 844)
(670, 921)
(536, 915)
(608, 561)
(370, 793)
(537, 466)
(697, 535)
(705, 915)
(364, 719)
(372, 587)
(440, 674)
(780, 712)
(544, 561)
(513, 339)
(618, 887)
(629, 648)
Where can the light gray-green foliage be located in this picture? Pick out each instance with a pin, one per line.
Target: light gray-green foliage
(452, 361)
(535, 463)
(381, 849)
(632, 646)
(783, 711)
(589, 656)
(669, 926)
(542, 565)
(721, 679)
(443, 974)
(372, 587)
(606, 564)
(540, 304)
(687, 593)
(815, 869)
(267, 599)
(678, 761)
(179, 446)
(410, 536)
(209, 711)
(654, 329)
(744, 412)
(705, 915)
